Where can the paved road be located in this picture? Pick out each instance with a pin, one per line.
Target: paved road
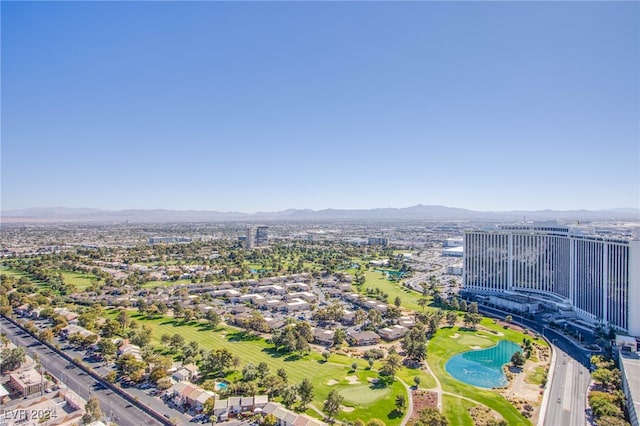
(568, 392)
(101, 370)
(124, 414)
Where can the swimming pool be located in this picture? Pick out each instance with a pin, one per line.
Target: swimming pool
(482, 368)
(221, 386)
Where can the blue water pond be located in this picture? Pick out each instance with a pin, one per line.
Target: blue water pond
(483, 368)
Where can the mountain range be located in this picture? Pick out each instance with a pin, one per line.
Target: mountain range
(417, 212)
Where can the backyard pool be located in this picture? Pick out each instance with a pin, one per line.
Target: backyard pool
(221, 386)
(482, 368)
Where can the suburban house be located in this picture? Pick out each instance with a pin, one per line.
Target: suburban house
(348, 317)
(393, 332)
(286, 417)
(295, 305)
(273, 289)
(221, 410)
(71, 317)
(323, 337)
(235, 405)
(197, 398)
(274, 323)
(72, 329)
(305, 295)
(189, 395)
(181, 375)
(128, 348)
(406, 321)
(224, 408)
(363, 338)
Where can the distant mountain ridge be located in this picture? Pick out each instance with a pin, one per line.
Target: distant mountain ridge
(417, 212)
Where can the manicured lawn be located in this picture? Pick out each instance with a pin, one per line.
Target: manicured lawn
(12, 273)
(426, 380)
(312, 366)
(408, 298)
(456, 410)
(376, 279)
(368, 400)
(18, 274)
(443, 346)
(80, 280)
(151, 284)
(355, 395)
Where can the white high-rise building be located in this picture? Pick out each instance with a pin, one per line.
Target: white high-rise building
(257, 236)
(598, 275)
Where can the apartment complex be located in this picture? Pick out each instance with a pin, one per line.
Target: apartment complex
(598, 276)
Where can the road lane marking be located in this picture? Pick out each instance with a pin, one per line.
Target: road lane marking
(568, 387)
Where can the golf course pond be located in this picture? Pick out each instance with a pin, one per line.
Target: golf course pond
(483, 368)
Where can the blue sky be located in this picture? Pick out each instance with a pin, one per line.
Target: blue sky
(262, 106)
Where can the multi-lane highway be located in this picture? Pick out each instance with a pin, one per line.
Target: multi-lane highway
(568, 389)
(123, 413)
(568, 392)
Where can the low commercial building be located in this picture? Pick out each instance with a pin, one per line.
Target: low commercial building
(513, 302)
(453, 251)
(27, 382)
(4, 395)
(455, 269)
(59, 409)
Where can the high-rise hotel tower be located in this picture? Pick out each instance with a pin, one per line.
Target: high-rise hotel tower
(599, 276)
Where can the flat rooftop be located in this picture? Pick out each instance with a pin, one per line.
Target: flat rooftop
(631, 365)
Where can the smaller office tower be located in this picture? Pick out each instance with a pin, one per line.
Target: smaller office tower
(251, 237)
(262, 236)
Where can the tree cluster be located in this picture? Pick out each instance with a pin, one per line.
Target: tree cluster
(294, 337)
(414, 343)
(607, 401)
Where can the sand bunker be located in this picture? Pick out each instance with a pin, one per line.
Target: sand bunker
(455, 336)
(332, 382)
(352, 379)
(346, 409)
(475, 347)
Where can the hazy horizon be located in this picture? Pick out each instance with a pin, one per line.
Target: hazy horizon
(269, 106)
(317, 210)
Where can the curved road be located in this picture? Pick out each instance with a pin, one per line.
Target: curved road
(124, 414)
